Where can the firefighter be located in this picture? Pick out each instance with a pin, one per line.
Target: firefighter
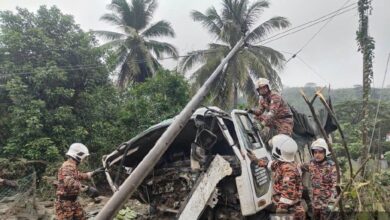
(273, 112)
(323, 176)
(287, 178)
(68, 184)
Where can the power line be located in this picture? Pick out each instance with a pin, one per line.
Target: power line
(308, 66)
(266, 41)
(316, 21)
(94, 66)
(319, 19)
(269, 39)
(323, 26)
(65, 68)
(303, 28)
(379, 103)
(312, 69)
(331, 18)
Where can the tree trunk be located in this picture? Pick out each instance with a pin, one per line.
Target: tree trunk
(366, 47)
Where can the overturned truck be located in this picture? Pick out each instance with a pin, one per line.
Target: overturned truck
(205, 173)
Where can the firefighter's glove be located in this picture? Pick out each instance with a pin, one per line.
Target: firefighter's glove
(262, 119)
(252, 157)
(92, 192)
(10, 183)
(97, 171)
(250, 111)
(259, 162)
(262, 163)
(93, 173)
(256, 112)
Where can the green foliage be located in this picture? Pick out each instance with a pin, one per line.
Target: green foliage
(387, 156)
(347, 105)
(384, 178)
(370, 196)
(348, 96)
(54, 88)
(126, 214)
(157, 99)
(366, 46)
(384, 145)
(12, 169)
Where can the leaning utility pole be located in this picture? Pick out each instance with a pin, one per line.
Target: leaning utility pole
(366, 47)
(147, 164)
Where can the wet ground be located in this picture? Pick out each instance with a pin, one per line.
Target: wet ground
(44, 210)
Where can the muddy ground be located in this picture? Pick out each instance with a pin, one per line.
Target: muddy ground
(44, 210)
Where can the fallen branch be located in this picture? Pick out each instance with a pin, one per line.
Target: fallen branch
(331, 113)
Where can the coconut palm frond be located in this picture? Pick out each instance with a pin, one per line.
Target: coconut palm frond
(192, 58)
(159, 29)
(112, 18)
(135, 51)
(208, 22)
(113, 44)
(261, 31)
(110, 35)
(160, 48)
(276, 58)
(254, 11)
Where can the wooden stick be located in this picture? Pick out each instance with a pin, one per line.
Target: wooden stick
(331, 113)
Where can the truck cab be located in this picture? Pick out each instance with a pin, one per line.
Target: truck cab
(205, 173)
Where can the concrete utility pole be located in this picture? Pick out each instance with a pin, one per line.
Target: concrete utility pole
(366, 47)
(147, 164)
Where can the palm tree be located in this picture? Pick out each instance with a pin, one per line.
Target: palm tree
(236, 18)
(135, 50)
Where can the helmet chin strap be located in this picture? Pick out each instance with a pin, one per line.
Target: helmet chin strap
(75, 159)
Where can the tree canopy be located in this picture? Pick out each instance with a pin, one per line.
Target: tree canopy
(134, 48)
(51, 74)
(55, 89)
(235, 19)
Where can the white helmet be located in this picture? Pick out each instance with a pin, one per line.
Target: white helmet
(284, 147)
(262, 82)
(78, 151)
(320, 144)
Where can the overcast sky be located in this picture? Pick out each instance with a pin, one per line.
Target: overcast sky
(331, 57)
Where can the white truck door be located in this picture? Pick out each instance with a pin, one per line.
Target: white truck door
(254, 185)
